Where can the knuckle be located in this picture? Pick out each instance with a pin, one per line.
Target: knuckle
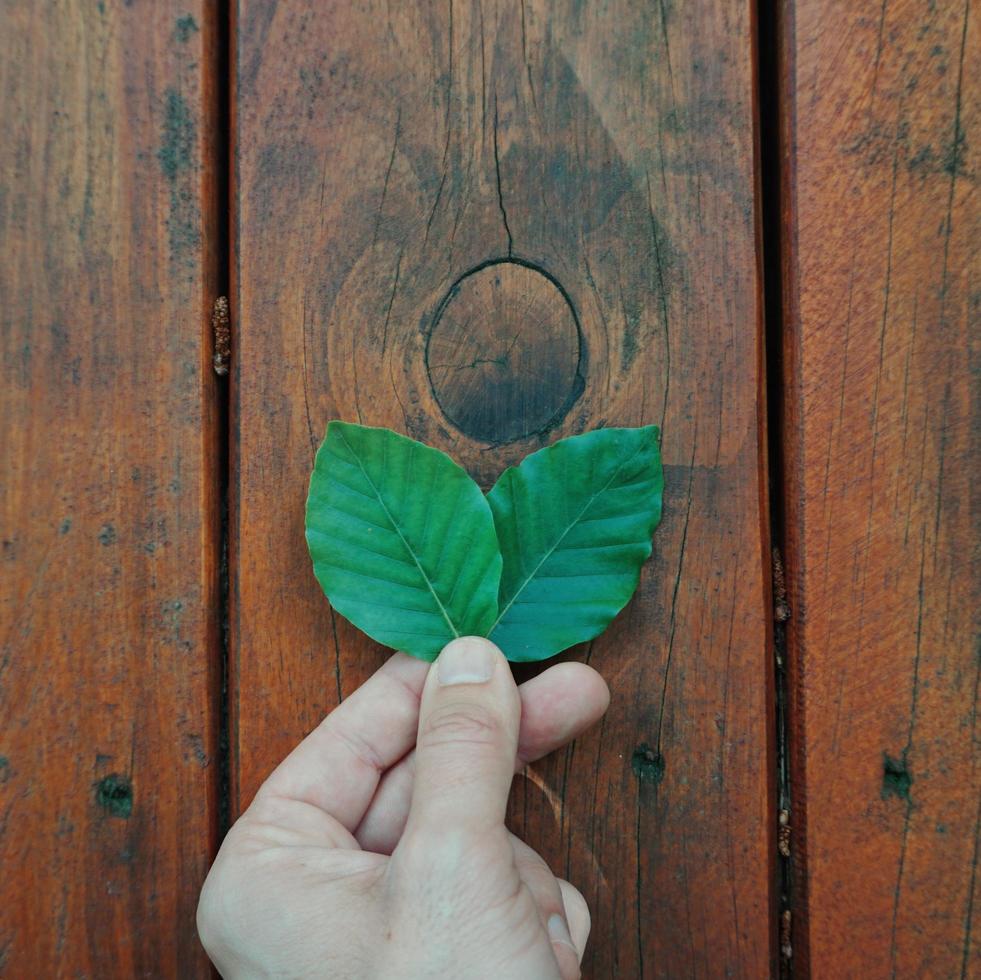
(212, 925)
(219, 903)
(457, 723)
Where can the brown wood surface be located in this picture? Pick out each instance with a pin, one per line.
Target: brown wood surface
(489, 225)
(108, 696)
(881, 242)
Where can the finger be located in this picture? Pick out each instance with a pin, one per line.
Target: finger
(547, 893)
(384, 820)
(467, 739)
(576, 915)
(338, 765)
(556, 706)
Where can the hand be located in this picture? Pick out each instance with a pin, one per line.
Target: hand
(360, 858)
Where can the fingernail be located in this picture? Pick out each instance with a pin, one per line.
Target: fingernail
(558, 931)
(468, 660)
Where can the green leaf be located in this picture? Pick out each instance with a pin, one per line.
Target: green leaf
(574, 523)
(402, 540)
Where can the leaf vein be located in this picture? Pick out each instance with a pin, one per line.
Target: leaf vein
(408, 548)
(568, 528)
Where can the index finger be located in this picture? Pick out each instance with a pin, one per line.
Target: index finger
(338, 765)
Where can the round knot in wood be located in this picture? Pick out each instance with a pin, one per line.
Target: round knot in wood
(505, 353)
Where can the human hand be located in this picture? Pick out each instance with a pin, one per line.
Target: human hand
(361, 858)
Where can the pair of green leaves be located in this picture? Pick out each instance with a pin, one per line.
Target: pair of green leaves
(406, 546)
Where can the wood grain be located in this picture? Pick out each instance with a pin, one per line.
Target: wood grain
(881, 245)
(108, 656)
(601, 157)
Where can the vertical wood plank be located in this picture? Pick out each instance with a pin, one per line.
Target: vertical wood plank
(490, 225)
(107, 580)
(881, 245)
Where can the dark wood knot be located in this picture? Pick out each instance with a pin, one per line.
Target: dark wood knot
(505, 353)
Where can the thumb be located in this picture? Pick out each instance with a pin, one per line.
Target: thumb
(467, 741)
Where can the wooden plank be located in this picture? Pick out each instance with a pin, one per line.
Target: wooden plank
(490, 225)
(108, 696)
(882, 236)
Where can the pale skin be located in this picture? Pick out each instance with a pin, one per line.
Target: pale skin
(377, 849)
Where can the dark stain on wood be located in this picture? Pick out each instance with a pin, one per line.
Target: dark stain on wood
(114, 793)
(177, 156)
(184, 27)
(647, 764)
(176, 153)
(896, 777)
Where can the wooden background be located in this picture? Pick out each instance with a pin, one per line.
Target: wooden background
(489, 225)
(383, 154)
(109, 665)
(882, 234)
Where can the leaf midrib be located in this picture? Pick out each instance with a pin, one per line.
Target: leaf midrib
(559, 540)
(398, 531)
